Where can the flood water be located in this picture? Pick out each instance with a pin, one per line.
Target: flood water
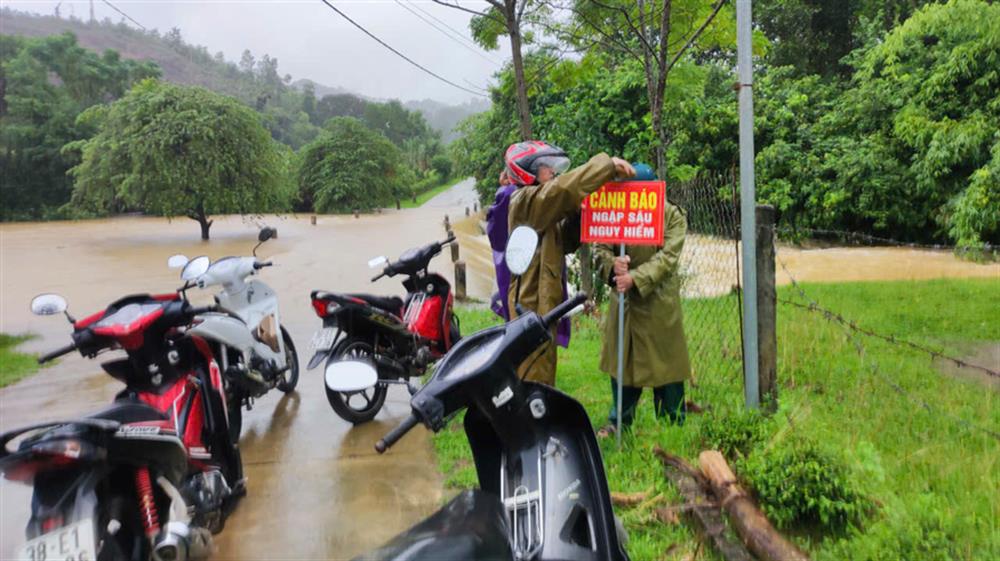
(316, 488)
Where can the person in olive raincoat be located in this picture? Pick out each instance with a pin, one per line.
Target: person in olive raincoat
(656, 354)
(549, 208)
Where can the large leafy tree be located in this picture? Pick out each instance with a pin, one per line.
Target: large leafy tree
(908, 148)
(349, 167)
(44, 84)
(179, 151)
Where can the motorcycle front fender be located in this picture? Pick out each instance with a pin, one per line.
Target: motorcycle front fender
(318, 358)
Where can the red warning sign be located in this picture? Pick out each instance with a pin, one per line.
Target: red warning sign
(629, 212)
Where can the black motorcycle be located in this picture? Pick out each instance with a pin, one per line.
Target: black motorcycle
(543, 493)
(400, 336)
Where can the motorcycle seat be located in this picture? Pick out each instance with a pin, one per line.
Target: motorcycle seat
(129, 412)
(391, 304)
(471, 526)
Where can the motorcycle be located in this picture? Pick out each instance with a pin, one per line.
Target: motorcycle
(256, 352)
(543, 493)
(153, 475)
(400, 336)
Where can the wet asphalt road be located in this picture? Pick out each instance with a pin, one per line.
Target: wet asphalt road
(317, 490)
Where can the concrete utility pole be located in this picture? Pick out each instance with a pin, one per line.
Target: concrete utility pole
(748, 223)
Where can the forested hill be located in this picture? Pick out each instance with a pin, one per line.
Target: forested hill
(187, 64)
(197, 67)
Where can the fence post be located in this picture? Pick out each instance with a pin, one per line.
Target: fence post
(766, 314)
(460, 291)
(454, 252)
(586, 270)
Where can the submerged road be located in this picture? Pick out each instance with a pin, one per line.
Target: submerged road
(316, 488)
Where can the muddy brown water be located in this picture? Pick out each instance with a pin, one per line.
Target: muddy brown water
(316, 488)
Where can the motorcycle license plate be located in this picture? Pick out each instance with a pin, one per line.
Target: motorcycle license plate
(323, 339)
(73, 542)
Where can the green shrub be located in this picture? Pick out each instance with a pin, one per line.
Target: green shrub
(442, 165)
(800, 484)
(924, 529)
(733, 432)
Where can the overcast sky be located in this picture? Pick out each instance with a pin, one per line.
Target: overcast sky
(312, 41)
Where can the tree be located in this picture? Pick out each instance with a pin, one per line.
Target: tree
(179, 151)
(44, 84)
(657, 36)
(908, 148)
(349, 167)
(506, 17)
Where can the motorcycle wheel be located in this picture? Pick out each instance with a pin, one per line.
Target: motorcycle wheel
(290, 377)
(361, 406)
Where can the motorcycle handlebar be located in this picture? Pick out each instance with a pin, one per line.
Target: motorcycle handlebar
(378, 276)
(199, 310)
(395, 434)
(563, 309)
(57, 353)
(261, 265)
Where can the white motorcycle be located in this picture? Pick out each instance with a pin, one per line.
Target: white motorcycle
(255, 351)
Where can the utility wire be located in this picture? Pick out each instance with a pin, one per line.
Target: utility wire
(399, 54)
(128, 17)
(447, 34)
(460, 34)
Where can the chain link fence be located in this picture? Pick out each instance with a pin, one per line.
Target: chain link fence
(709, 271)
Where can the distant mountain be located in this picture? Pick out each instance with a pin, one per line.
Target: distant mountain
(443, 117)
(179, 62)
(187, 64)
(322, 90)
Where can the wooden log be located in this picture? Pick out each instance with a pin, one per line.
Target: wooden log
(704, 514)
(628, 499)
(753, 527)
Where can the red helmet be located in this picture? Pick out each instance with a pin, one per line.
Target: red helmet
(524, 158)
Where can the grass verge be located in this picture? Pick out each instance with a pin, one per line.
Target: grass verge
(853, 464)
(15, 365)
(429, 194)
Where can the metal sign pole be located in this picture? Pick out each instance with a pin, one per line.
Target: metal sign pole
(621, 353)
(748, 226)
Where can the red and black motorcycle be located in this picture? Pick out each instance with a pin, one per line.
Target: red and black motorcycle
(153, 475)
(400, 337)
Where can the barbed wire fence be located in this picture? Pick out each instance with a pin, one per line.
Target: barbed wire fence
(854, 333)
(711, 285)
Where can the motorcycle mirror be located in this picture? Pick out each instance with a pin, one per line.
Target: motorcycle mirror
(48, 304)
(350, 375)
(266, 233)
(195, 268)
(177, 261)
(377, 261)
(521, 247)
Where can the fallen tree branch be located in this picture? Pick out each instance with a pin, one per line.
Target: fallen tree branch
(703, 513)
(753, 527)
